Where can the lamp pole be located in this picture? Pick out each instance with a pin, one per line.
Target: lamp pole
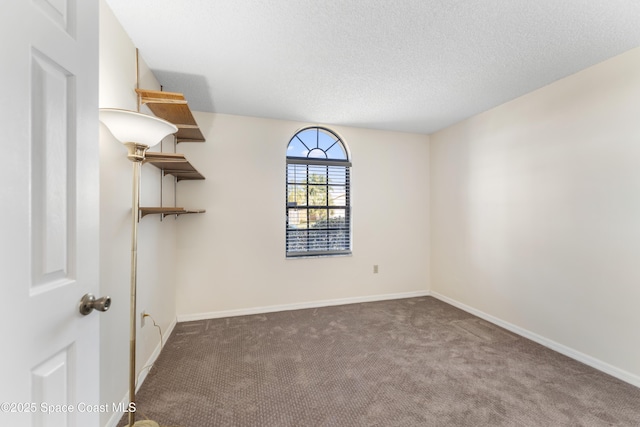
(136, 155)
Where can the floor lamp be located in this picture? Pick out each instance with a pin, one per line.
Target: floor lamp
(138, 132)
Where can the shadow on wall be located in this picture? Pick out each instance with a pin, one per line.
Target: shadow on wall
(195, 88)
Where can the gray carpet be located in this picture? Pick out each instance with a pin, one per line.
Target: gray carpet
(411, 362)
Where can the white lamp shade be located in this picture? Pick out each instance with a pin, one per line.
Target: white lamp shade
(131, 126)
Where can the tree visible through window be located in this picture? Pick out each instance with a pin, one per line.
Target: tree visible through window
(318, 207)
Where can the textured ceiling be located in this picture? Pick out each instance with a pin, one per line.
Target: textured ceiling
(405, 65)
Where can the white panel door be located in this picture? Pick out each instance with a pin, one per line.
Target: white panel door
(49, 213)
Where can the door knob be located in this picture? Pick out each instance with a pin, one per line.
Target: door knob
(88, 303)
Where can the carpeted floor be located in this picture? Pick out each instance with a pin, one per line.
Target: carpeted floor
(411, 362)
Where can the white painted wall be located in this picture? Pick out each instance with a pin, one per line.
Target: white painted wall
(156, 245)
(233, 256)
(535, 213)
(527, 213)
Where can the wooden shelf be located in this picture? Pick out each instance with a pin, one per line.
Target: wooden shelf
(173, 107)
(173, 164)
(164, 211)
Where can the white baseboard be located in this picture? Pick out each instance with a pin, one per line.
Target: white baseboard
(115, 417)
(560, 348)
(298, 306)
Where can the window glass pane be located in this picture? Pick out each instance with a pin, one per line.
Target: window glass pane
(337, 152)
(337, 196)
(337, 218)
(325, 139)
(297, 148)
(318, 195)
(317, 153)
(296, 195)
(309, 137)
(296, 218)
(296, 174)
(317, 218)
(337, 175)
(319, 171)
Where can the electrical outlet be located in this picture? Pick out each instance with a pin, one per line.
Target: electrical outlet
(375, 268)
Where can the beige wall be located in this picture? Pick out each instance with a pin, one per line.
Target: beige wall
(526, 214)
(535, 214)
(156, 250)
(233, 256)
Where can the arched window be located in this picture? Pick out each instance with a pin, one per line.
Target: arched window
(318, 203)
